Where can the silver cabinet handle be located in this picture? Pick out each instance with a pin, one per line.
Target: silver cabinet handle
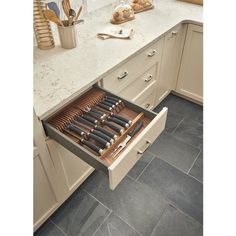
(148, 143)
(174, 32)
(123, 75)
(152, 53)
(148, 78)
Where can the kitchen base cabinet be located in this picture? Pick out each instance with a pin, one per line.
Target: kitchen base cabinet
(71, 170)
(137, 74)
(93, 150)
(46, 188)
(190, 79)
(170, 62)
(45, 200)
(57, 174)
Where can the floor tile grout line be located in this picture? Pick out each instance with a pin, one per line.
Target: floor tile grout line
(177, 208)
(132, 227)
(158, 222)
(159, 157)
(58, 227)
(178, 169)
(177, 126)
(180, 140)
(101, 223)
(96, 199)
(195, 178)
(194, 161)
(145, 168)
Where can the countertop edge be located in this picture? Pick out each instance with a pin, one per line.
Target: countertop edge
(72, 97)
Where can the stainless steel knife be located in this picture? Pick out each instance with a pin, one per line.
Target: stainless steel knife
(130, 135)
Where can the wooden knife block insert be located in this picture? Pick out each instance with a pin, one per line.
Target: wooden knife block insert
(65, 116)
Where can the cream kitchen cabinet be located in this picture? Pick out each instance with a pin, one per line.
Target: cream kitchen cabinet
(71, 170)
(137, 74)
(171, 57)
(46, 199)
(62, 141)
(190, 79)
(57, 173)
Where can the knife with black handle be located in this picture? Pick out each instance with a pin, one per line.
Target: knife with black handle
(91, 146)
(114, 99)
(119, 122)
(82, 141)
(108, 104)
(90, 119)
(111, 135)
(74, 127)
(100, 140)
(82, 120)
(114, 127)
(104, 107)
(121, 118)
(111, 101)
(102, 135)
(95, 114)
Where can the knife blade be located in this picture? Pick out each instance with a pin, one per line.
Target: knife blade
(129, 136)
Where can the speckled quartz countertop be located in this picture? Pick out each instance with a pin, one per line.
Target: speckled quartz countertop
(60, 75)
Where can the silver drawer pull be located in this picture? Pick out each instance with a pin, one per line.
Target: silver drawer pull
(123, 75)
(174, 32)
(147, 105)
(148, 78)
(152, 53)
(148, 143)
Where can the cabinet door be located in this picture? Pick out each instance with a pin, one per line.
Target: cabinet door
(190, 80)
(71, 170)
(173, 46)
(45, 201)
(46, 186)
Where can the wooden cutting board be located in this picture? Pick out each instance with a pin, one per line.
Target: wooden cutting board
(199, 2)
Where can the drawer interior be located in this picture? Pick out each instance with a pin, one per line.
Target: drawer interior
(59, 125)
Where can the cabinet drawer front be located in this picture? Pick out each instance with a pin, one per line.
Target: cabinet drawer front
(145, 81)
(117, 80)
(146, 98)
(116, 169)
(119, 169)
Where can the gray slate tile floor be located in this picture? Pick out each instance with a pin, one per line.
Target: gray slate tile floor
(160, 196)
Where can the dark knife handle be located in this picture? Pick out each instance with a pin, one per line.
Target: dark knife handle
(100, 140)
(90, 119)
(82, 120)
(108, 104)
(96, 111)
(122, 118)
(119, 122)
(136, 129)
(114, 127)
(114, 99)
(104, 136)
(76, 129)
(111, 135)
(111, 101)
(92, 146)
(94, 114)
(104, 107)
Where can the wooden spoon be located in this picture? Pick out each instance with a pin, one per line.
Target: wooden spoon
(51, 15)
(66, 7)
(78, 13)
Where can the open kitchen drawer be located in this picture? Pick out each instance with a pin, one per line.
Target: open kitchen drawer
(116, 166)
